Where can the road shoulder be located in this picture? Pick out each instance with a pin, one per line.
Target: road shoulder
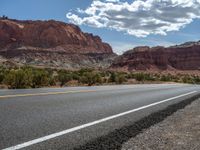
(178, 131)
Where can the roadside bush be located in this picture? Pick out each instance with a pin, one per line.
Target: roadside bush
(87, 78)
(90, 78)
(196, 79)
(75, 75)
(139, 76)
(97, 78)
(19, 79)
(29, 77)
(64, 77)
(52, 81)
(187, 79)
(1, 77)
(40, 78)
(120, 79)
(2, 74)
(166, 78)
(112, 77)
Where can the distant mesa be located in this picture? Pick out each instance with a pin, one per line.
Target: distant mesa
(180, 57)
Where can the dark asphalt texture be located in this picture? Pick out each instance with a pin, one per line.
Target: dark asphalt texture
(26, 118)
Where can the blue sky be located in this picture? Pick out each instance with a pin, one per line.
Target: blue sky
(132, 26)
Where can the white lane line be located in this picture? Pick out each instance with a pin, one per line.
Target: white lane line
(54, 135)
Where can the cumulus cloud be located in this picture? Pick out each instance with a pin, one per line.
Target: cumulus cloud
(140, 17)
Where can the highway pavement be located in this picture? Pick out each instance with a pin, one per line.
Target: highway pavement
(66, 118)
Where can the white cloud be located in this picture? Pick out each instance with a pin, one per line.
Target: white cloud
(139, 18)
(112, 0)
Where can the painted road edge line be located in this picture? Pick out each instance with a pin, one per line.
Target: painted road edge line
(43, 94)
(54, 135)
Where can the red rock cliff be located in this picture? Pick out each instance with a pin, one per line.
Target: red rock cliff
(52, 44)
(182, 57)
(47, 35)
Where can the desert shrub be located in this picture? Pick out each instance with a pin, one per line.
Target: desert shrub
(113, 77)
(139, 76)
(2, 74)
(10, 79)
(167, 77)
(75, 75)
(40, 78)
(19, 79)
(120, 79)
(81, 72)
(87, 78)
(64, 77)
(97, 78)
(1, 77)
(90, 78)
(187, 79)
(196, 79)
(27, 77)
(150, 77)
(52, 81)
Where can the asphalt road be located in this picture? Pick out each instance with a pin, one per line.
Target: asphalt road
(65, 118)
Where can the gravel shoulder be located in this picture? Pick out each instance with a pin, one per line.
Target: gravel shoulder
(180, 131)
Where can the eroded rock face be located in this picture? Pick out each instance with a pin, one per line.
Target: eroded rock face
(49, 34)
(181, 57)
(37, 40)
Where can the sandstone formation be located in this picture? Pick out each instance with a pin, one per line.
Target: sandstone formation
(52, 44)
(179, 57)
(57, 44)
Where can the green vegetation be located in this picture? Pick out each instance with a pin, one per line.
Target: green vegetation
(64, 77)
(29, 77)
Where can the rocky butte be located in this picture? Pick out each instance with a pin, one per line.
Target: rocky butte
(51, 44)
(180, 57)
